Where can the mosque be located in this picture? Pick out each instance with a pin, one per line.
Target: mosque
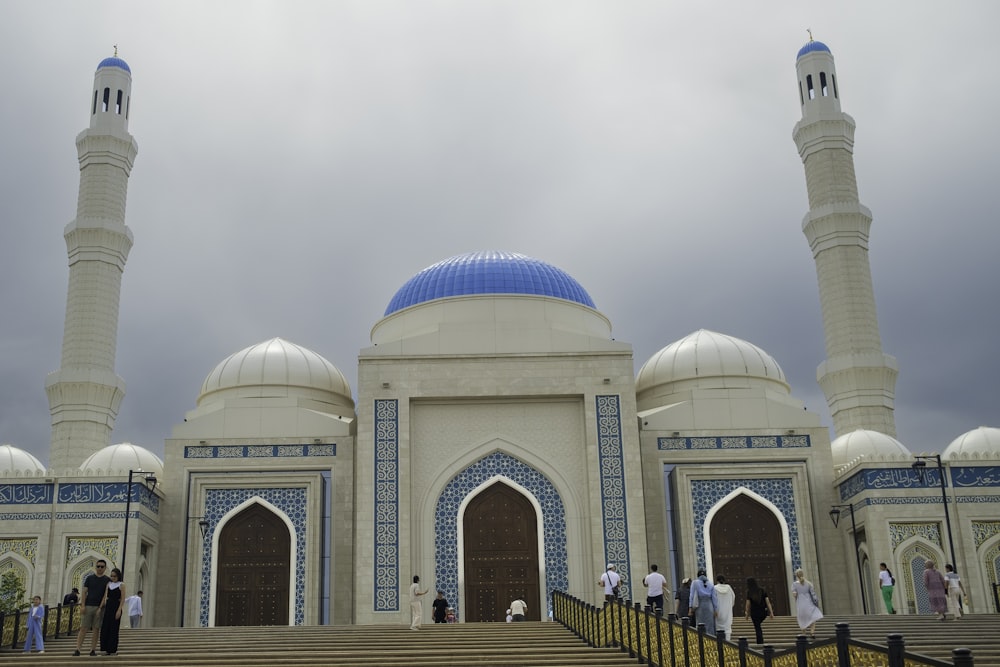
(499, 443)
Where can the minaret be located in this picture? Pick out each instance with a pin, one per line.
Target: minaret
(84, 394)
(858, 379)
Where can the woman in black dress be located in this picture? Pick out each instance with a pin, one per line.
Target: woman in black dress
(114, 596)
(758, 607)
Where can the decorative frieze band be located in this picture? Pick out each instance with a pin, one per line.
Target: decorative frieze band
(734, 442)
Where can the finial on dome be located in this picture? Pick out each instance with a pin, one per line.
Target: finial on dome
(808, 30)
(116, 48)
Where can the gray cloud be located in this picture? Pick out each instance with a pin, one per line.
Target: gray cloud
(300, 161)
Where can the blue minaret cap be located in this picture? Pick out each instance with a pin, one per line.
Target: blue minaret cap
(812, 46)
(489, 272)
(115, 62)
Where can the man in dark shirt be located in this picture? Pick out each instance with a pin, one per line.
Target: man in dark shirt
(72, 597)
(94, 585)
(440, 608)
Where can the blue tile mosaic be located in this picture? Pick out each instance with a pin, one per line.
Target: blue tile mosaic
(292, 502)
(488, 272)
(881, 479)
(614, 507)
(705, 494)
(454, 493)
(107, 492)
(734, 442)
(258, 451)
(386, 491)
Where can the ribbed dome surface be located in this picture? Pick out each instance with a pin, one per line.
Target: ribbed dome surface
(867, 444)
(812, 46)
(709, 357)
(16, 461)
(273, 368)
(119, 459)
(488, 272)
(982, 442)
(115, 62)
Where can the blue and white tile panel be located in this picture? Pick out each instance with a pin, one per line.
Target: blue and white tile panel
(734, 442)
(258, 451)
(386, 490)
(614, 506)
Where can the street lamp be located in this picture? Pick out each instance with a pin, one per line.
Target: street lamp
(835, 517)
(920, 465)
(150, 485)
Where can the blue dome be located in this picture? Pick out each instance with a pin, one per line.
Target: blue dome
(488, 272)
(812, 46)
(115, 62)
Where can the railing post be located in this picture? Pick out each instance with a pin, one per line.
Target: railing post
(16, 628)
(673, 640)
(701, 643)
(649, 638)
(744, 645)
(59, 609)
(610, 606)
(768, 655)
(621, 624)
(685, 624)
(897, 650)
(720, 644)
(72, 612)
(658, 618)
(962, 657)
(801, 648)
(843, 651)
(592, 621)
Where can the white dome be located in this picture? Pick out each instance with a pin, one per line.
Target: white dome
(119, 459)
(982, 442)
(711, 360)
(870, 445)
(17, 462)
(274, 368)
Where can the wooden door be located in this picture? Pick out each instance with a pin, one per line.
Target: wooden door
(746, 542)
(501, 554)
(254, 569)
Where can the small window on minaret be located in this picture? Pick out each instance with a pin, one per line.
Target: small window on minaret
(809, 86)
(107, 98)
(833, 77)
(118, 104)
(127, 100)
(822, 83)
(802, 99)
(95, 103)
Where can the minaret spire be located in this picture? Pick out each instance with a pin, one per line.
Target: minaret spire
(857, 378)
(85, 393)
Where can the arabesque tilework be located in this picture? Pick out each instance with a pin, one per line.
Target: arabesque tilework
(499, 464)
(614, 506)
(386, 491)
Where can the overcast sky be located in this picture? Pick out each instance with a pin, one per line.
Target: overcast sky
(299, 161)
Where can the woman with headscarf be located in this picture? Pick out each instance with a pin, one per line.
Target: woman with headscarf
(683, 596)
(704, 602)
(937, 588)
(806, 603)
(727, 599)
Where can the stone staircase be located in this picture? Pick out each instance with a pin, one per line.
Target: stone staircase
(480, 644)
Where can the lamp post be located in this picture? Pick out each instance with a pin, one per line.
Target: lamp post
(920, 465)
(835, 517)
(150, 479)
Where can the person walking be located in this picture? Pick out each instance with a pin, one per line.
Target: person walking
(113, 605)
(727, 600)
(517, 610)
(133, 605)
(937, 587)
(887, 583)
(704, 603)
(439, 608)
(757, 608)
(610, 580)
(36, 616)
(655, 582)
(94, 585)
(807, 610)
(416, 606)
(955, 590)
(683, 597)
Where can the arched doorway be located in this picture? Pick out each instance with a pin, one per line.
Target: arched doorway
(501, 554)
(254, 569)
(747, 542)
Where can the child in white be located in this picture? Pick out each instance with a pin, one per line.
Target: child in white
(36, 615)
(955, 590)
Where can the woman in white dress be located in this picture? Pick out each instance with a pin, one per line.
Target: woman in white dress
(806, 603)
(727, 598)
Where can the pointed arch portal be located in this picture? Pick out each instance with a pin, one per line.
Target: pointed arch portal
(501, 553)
(746, 539)
(254, 569)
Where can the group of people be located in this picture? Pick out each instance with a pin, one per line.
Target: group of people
(104, 603)
(442, 613)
